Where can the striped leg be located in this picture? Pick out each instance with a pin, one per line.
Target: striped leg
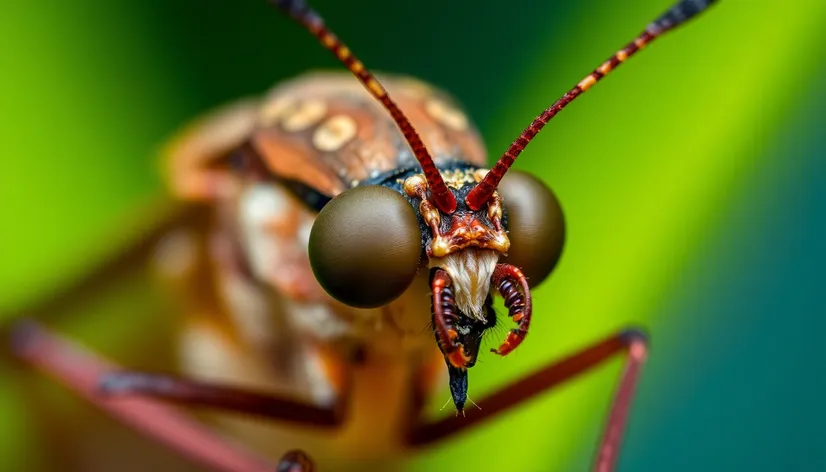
(632, 341)
(302, 13)
(675, 16)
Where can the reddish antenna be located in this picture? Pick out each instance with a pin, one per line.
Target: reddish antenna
(677, 15)
(310, 19)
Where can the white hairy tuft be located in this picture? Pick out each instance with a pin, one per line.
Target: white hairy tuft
(470, 270)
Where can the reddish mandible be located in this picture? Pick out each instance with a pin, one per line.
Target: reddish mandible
(330, 208)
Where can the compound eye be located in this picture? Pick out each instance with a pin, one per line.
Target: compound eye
(535, 223)
(365, 246)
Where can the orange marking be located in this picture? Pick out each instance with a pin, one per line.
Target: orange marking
(333, 368)
(452, 334)
(511, 342)
(502, 350)
(343, 53)
(518, 317)
(587, 82)
(622, 55)
(458, 358)
(605, 67)
(376, 88)
(328, 40)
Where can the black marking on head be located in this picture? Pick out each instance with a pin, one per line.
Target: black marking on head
(312, 198)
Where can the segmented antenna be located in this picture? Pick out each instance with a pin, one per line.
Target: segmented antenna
(675, 16)
(310, 19)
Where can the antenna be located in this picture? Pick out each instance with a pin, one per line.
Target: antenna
(310, 19)
(675, 16)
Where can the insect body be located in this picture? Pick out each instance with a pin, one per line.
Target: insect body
(318, 136)
(346, 230)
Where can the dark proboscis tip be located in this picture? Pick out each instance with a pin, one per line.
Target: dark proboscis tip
(458, 386)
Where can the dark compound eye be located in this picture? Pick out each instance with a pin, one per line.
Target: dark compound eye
(365, 246)
(536, 226)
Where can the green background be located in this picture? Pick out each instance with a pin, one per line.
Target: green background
(692, 180)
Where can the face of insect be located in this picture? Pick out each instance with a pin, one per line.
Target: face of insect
(522, 225)
(366, 247)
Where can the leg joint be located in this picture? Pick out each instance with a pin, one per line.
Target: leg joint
(635, 335)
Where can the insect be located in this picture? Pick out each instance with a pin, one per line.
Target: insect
(340, 222)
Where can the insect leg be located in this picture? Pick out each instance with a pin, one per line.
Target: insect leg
(632, 341)
(220, 397)
(81, 371)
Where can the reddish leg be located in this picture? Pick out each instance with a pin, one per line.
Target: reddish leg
(193, 393)
(82, 371)
(632, 341)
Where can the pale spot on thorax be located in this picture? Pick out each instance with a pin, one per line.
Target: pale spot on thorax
(272, 112)
(304, 115)
(334, 133)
